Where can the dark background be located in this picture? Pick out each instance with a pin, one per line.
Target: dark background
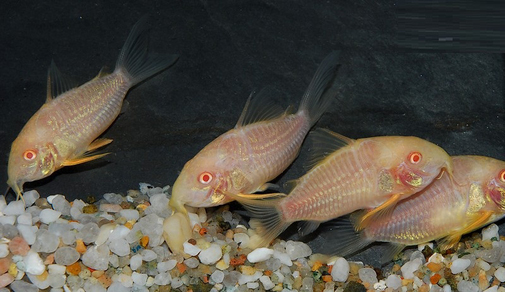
(395, 79)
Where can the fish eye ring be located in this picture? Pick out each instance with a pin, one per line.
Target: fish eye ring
(415, 157)
(29, 155)
(205, 178)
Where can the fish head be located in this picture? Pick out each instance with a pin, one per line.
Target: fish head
(202, 182)
(29, 161)
(416, 163)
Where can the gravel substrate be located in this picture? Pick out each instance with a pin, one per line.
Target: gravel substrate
(117, 244)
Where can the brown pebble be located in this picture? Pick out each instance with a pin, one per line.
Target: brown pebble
(192, 241)
(90, 209)
(229, 234)
(42, 203)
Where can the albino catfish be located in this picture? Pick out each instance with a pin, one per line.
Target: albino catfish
(264, 142)
(65, 129)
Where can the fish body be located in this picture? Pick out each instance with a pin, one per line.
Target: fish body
(366, 173)
(65, 129)
(262, 145)
(445, 210)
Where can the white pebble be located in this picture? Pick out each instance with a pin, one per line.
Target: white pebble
(283, 258)
(492, 289)
(410, 267)
(14, 208)
(380, 286)
(166, 266)
(367, 275)
(296, 249)
(241, 238)
(467, 286)
(459, 265)
(210, 255)
(130, 214)
(162, 279)
(28, 233)
(483, 265)
(176, 283)
(139, 279)
(49, 215)
(340, 270)
(249, 278)
(3, 204)
(56, 269)
(490, 232)
(120, 231)
(135, 262)
(191, 249)
(4, 250)
(267, 283)
(260, 255)
(25, 219)
(148, 255)
(97, 257)
(11, 219)
(394, 281)
(104, 233)
(30, 197)
(217, 276)
(252, 285)
(34, 264)
(500, 274)
(120, 247)
(126, 280)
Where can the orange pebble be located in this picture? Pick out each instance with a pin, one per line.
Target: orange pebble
(49, 259)
(327, 278)
(205, 279)
(129, 225)
(240, 260)
(435, 278)
(434, 267)
(316, 266)
(43, 276)
(330, 268)
(105, 281)
(144, 240)
(267, 273)
(181, 267)
(74, 269)
(80, 246)
(203, 231)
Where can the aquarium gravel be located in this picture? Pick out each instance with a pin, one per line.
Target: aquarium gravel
(116, 244)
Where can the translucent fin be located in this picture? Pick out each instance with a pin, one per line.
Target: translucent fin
(267, 219)
(314, 101)
(57, 83)
(290, 185)
(342, 239)
(269, 186)
(103, 72)
(83, 159)
(323, 143)
(475, 222)
(98, 143)
(260, 107)
(382, 211)
(307, 227)
(392, 249)
(135, 61)
(261, 196)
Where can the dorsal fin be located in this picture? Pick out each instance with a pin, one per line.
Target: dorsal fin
(57, 83)
(324, 142)
(261, 107)
(103, 72)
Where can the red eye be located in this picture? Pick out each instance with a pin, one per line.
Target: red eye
(415, 157)
(502, 175)
(205, 177)
(29, 155)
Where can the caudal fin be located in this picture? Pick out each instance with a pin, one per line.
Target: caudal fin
(317, 98)
(266, 218)
(135, 61)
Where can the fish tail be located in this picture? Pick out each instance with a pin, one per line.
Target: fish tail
(135, 62)
(317, 98)
(267, 219)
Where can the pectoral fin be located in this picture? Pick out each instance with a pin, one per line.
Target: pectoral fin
(98, 143)
(82, 159)
(381, 211)
(475, 222)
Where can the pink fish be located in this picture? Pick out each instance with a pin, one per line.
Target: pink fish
(349, 175)
(264, 142)
(445, 210)
(64, 130)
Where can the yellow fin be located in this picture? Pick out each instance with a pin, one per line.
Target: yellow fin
(98, 143)
(259, 196)
(103, 72)
(82, 159)
(475, 222)
(380, 211)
